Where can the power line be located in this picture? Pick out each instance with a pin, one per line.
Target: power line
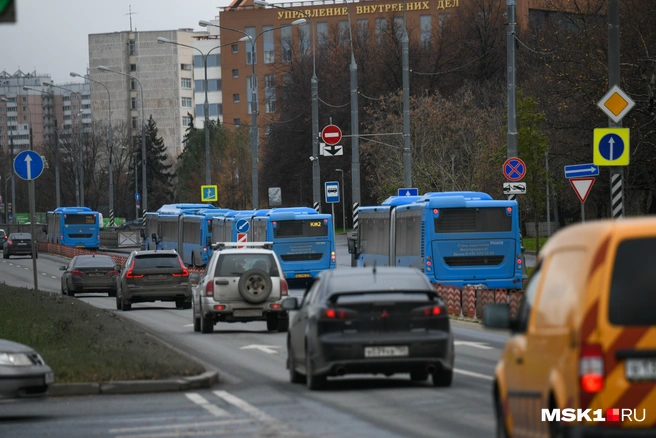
(532, 50)
(334, 106)
(458, 68)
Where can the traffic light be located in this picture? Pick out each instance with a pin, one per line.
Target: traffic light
(9, 208)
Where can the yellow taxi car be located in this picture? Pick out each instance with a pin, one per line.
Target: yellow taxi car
(581, 360)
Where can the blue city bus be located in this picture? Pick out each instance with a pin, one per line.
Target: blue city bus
(303, 240)
(78, 227)
(169, 224)
(455, 238)
(247, 216)
(195, 240)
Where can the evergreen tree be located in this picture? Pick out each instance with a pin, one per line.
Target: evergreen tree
(158, 177)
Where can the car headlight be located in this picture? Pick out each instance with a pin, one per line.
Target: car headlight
(15, 359)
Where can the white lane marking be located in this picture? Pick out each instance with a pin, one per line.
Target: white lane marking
(178, 426)
(473, 374)
(43, 273)
(481, 345)
(188, 325)
(178, 434)
(205, 404)
(256, 413)
(27, 269)
(53, 277)
(266, 348)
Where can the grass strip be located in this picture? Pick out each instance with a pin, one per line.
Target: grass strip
(529, 243)
(82, 343)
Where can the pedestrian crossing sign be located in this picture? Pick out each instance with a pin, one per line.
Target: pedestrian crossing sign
(209, 193)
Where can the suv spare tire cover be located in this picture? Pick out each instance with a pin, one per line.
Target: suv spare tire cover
(255, 286)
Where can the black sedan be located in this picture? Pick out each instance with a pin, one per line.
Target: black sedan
(369, 321)
(23, 373)
(18, 244)
(89, 273)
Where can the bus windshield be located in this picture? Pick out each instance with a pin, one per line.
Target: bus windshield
(300, 228)
(473, 220)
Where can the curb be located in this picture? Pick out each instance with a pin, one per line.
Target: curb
(465, 319)
(204, 380)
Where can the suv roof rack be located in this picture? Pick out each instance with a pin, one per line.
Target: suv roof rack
(223, 245)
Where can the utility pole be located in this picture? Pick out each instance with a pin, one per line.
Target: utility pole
(616, 172)
(407, 154)
(355, 132)
(511, 138)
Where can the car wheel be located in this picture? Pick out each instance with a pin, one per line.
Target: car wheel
(442, 378)
(283, 325)
(186, 304)
(5, 255)
(69, 292)
(112, 293)
(196, 320)
(125, 305)
(255, 286)
(501, 420)
(272, 322)
(206, 324)
(312, 380)
(193, 260)
(179, 304)
(118, 302)
(418, 376)
(294, 376)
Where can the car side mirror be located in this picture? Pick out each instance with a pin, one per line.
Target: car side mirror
(62, 268)
(194, 279)
(352, 247)
(117, 268)
(290, 303)
(497, 316)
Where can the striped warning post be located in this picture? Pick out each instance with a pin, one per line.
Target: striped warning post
(501, 296)
(512, 197)
(143, 219)
(316, 206)
(616, 195)
(356, 211)
(514, 301)
(483, 298)
(111, 218)
(469, 301)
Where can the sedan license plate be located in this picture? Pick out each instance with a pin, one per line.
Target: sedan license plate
(640, 369)
(156, 277)
(302, 275)
(400, 351)
(247, 312)
(96, 274)
(50, 378)
(22, 244)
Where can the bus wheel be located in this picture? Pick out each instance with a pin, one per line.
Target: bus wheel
(193, 260)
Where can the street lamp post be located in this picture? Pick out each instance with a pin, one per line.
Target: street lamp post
(57, 184)
(343, 201)
(143, 140)
(206, 105)
(254, 128)
(13, 183)
(79, 151)
(111, 146)
(316, 169)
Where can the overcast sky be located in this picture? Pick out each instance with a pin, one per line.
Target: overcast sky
(51, 36)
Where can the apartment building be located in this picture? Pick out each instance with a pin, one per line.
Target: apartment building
(208, 46)
(137, 61)
(29, 103)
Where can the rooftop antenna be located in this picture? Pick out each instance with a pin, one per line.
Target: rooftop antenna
(130, 14)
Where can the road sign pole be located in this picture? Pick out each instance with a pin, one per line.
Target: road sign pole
(616, 173)
(582, 211)
(34, 243)
(333, 208)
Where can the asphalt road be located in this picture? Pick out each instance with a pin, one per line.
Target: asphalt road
(254, 397)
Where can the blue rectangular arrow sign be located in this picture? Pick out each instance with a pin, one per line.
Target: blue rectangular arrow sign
(581, 170)
(409, 192)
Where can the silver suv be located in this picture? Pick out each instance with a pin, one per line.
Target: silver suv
(242, 282)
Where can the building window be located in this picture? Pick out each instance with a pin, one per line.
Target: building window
(2, 119)
(235, 48)
(286, 42)
(24, 99)
(251, 85)
(186, 120)
(133, 67)
(186, 102)
(216, 109)
(235, 73)
(185, 67)
(270, 93)
(442, 18)
(67, 108)
(304, 38)
(133, 103)
(363, 29)
(381, 28)
(133, 84)
(135, 123)
(75, 107)
(24, 118)
(322, 34)
(214, 85)
(2, 110)
(270, 106)
(269, 53)
(344, 35)
(251, 57)
(237, 123)
(235, 98)
(132, 45)
(398, 27)
(186, 83)
(426, 30)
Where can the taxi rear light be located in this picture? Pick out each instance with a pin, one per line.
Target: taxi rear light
(284, 288)
(220, 307)
(591, 368)
(209, 289)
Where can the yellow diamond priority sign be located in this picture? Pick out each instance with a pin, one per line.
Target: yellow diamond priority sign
(616, 104)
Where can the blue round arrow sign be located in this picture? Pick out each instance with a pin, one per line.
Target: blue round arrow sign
(243, 225)
(611, 147)
(28, 165)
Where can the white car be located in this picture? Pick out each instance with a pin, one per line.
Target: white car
(241, 285)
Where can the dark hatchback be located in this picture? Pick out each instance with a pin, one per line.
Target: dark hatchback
(150, 276)
(18, 244)
(369, 321)
(89, 273)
